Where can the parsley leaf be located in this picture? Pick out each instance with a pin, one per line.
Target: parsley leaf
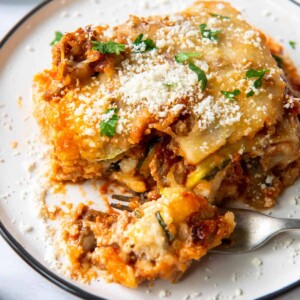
(219, 16)
(148, 43)
(201, 75)
(279, 60)
(293, 44)
(209, 34)
(256, 73)
(258, 82)
(57, 38)
(108, 127)
(230, 95)
(109, 47)
(259, 74)
(250, 93)
(183, 56)
(164, 227)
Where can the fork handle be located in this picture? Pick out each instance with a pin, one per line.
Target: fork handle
(286, 224)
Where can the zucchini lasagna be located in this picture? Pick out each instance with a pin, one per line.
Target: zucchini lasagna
(185, 111)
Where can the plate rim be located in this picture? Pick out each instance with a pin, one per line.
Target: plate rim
(296, 2)
(38, 266)
(42, 270)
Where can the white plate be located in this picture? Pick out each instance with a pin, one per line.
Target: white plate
(25, 52)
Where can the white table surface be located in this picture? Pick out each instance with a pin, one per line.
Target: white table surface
(17, 280)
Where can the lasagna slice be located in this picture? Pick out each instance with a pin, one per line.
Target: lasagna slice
(198, 101)
(162, 101)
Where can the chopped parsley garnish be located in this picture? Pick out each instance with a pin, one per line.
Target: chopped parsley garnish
(250, 93)
(259, 74)
(231, 95)
(201, 75)
(57, 38)
(108, 125)
(163, 225)
(219, 16)
(209, 34)
(279, 60)
(147, 44)
(184, 56)
(293, 44)
(109, 47)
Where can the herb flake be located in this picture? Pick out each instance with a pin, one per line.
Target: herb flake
(293, 44)
(109, 47)
(57, 38)
(209, 34)
(184, 56)
(108, 126)
(231, 95)
(164, 226)
(259, 74)
(148, 43)
(256, 73)
(250, 93)
(201, 75)
(219, 16)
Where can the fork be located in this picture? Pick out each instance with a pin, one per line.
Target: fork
(253, 229)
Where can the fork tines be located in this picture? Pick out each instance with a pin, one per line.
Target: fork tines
(122, 198)
(121, 207)
(140, 198)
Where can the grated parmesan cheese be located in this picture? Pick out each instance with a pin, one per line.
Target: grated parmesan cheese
(159, 86)
(257, 262)
(209, 110)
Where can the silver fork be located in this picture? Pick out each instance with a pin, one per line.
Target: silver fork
(253, 229)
